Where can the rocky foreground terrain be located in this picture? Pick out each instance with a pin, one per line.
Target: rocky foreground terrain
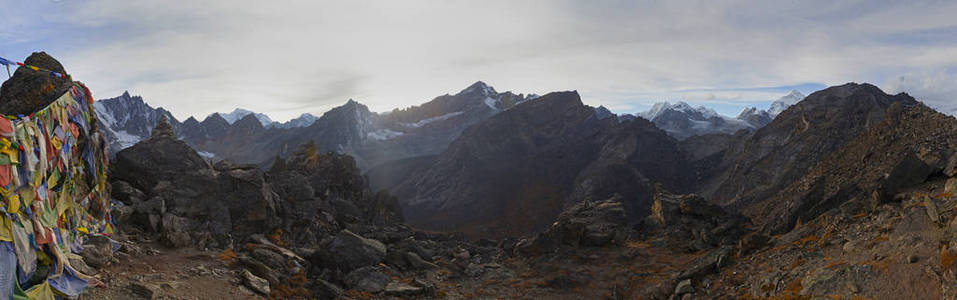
(356, 247)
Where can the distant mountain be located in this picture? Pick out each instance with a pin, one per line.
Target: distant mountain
(303, 120)
(514, 172)
(681, 120)
(239, 113)
(371, 138)
(757, 118)
(128, 119)
(603, 113)
(783, 103)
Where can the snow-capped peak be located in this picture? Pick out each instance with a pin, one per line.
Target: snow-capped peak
(303, 120)
(239, 113)
(655, 110)
(480, 87)
(784, 102)
(680, 106)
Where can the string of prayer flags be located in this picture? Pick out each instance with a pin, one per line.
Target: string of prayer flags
(6, 62)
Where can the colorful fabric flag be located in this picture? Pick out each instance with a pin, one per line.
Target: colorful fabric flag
(42, 210)
(6, 62)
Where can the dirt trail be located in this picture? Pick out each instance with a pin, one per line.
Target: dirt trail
(170, 274)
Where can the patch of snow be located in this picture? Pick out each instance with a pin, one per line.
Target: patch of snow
(655, 110)
(738, 122)
(126, 139)
(383, 134)
(707, 112)
(103, 114)
(432, 119)
(303, 120)
(700, 125)
(491, 102)
(239, 113)
(206, 155)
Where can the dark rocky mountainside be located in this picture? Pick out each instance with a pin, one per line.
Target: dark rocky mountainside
(514, 173)
(911, 144)
(781, 153)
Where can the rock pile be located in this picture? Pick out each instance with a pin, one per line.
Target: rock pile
(585, 224)
(29, 91)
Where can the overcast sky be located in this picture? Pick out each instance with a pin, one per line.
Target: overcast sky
(284, 58)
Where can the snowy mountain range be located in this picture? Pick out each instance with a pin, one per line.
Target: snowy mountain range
(374, 138)
(681, 120)
(239, 113)
(303, 120)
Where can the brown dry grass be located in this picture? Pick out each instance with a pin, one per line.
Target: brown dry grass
(947, 259)
(228, 256)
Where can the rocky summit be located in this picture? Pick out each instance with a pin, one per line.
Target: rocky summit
(29, 91)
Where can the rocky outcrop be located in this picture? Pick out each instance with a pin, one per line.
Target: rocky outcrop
(691, 223)
(174, 191)
(588, 224)
(29, 91)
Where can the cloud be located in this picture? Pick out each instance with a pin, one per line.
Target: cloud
(936, 88)
(288, 57)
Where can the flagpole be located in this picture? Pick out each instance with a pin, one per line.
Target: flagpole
(8, 70)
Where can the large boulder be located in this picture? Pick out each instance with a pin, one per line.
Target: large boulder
(97, 251)
(28, 91)
(349, 251)
(692, 223)
(591, 224)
